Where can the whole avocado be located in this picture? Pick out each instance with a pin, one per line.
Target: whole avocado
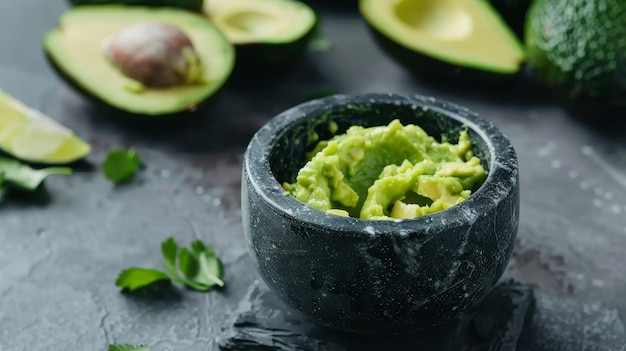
(191, 5)
(577, 48)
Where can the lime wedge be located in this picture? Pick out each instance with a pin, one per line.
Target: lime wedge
(31, 136)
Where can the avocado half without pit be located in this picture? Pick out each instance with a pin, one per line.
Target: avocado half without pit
(266, 33)
(140, 60)
(445, 37)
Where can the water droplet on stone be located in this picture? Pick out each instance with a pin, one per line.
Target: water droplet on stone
(608, 195)
(597, 202)
(199, 190)
(217, 201)
(587, 150)
(584, 185)
(165, 173)
(556, 164)
(573, 174)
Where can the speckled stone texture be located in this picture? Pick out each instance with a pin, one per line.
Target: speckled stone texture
(377, 277)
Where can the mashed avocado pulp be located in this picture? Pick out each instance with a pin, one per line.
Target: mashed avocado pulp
(387, 172)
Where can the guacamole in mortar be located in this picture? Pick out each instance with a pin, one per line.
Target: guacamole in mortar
(387, 172)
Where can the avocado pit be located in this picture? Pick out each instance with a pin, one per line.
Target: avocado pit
(155, 54)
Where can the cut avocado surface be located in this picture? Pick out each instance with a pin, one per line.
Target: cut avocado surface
(31, 136)
(75, 49)
(264, 31)
(442, 36)
(577, 48)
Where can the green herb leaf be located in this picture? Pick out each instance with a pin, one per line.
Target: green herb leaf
(19, 175)
(135, 278)
(188, 264)
(121, 165)
(128, 348)
(318, 41)
(196, 267)
(211, 271)
(169, 249)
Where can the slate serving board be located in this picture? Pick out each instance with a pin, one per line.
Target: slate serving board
(60, 253)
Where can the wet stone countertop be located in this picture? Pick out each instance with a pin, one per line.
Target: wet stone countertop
(60, 253)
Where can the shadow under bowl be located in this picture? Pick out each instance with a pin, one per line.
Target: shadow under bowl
(377, 276)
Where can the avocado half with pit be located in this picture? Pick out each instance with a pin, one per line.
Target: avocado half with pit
(75, 49)
(445, 37)
(265, 33)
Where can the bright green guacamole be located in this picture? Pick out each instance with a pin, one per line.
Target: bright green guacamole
(387, 172)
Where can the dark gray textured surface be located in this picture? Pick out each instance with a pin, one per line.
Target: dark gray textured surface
(58, 260)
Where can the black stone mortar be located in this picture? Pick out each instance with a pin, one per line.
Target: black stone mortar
(377, 277)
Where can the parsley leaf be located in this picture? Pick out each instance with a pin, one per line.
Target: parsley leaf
(128, 348)
(121, 165)
(134, 278)
(21, 176)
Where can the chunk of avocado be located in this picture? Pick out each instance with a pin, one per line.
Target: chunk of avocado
(191, 5)
(75, 49)
(577, 48)
(264, 32)
(466, 38)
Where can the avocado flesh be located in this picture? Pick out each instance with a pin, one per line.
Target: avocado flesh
(577, 48)
(461, 33)
(75, 49)
(261, 21)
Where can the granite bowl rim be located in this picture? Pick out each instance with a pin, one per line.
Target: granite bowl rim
(503, 161)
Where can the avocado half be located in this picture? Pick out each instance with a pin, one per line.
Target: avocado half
(264, 32)
(74, 49)
(445, 37)
(577, 49)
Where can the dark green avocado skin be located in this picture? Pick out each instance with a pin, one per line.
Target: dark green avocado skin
(577, 49)
(513, 12)
(191, 5)
(431, 68)
(259, 58)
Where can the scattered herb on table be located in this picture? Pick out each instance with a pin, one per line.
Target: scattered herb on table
(319, 42)
(121, 165)
(127, 347)
(196, 267)
(21, 176)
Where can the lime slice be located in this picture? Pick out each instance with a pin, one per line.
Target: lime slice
(31, 136)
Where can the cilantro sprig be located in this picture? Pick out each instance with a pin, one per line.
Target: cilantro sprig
(196, 267)
(121, 165)
(21, 176)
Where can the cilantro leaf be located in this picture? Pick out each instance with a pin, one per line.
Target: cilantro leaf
(211, 270)
(121, 165)
(170, 251)
(134, 278)
(318, 41)
(196, 267)
(22, 176)
(129, 348)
